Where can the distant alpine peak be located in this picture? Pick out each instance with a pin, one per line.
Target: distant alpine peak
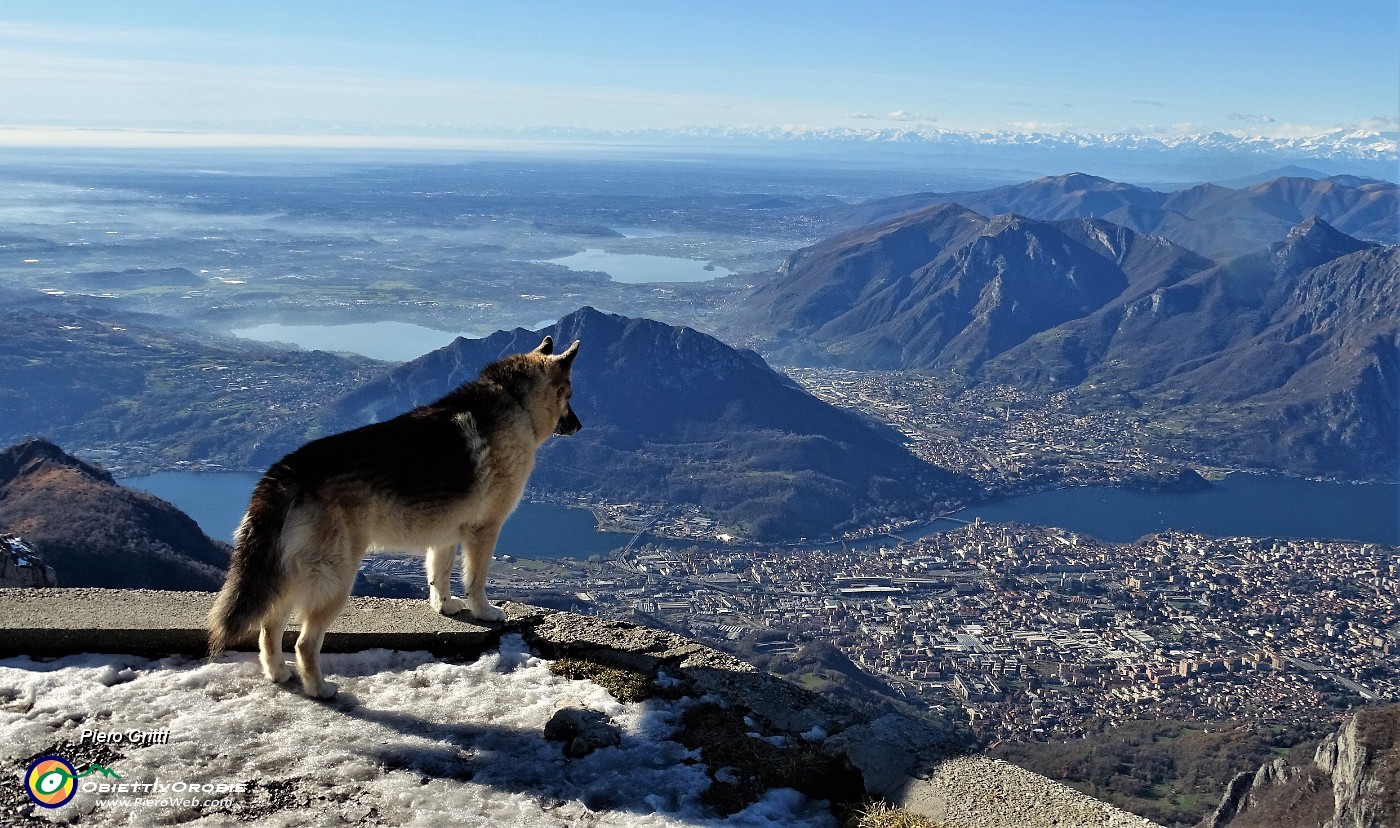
(1358, 144)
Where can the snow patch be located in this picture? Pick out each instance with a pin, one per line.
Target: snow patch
(411, 740)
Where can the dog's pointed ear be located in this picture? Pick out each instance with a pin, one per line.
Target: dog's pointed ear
(546, 347)
(566, 359)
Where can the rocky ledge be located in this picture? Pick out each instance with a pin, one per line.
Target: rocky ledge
(1353, 781)
(905, 761)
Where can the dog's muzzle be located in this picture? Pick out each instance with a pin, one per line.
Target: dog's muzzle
(568, 424)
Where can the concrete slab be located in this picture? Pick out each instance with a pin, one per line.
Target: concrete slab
(55, 622)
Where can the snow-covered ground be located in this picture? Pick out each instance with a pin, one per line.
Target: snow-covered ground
(411, 740)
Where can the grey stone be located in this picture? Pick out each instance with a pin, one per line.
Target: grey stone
(890, 751)
(21, 567)
(582, 731)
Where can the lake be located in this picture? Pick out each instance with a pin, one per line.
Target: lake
(391, 341)
(638, 268)
(217, 500)
(1242, 504)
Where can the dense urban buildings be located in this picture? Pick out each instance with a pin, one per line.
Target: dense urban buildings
(1032, 632)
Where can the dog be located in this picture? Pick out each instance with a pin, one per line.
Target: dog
(443, 474)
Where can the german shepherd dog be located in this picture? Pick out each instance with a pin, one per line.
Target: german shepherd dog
(443, 474)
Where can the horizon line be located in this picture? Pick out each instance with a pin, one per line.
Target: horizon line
(502, 138)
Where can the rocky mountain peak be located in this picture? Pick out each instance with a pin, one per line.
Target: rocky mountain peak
(673, 411)
(1310, 243)
(36, 453)
(1006, 224)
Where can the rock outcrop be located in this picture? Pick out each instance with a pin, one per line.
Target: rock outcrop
(1353, 781)
(21, 567)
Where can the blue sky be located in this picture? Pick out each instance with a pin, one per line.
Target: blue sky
(422, 69)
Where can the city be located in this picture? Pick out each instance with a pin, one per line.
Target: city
(1031, 632)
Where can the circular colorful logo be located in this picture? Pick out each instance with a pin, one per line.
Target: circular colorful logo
(51, 781)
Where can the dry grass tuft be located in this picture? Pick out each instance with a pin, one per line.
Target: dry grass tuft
(877, 814)
(624, 685)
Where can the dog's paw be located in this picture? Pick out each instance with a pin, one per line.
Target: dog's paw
(486, 612)
(451, 606)
(277, 674)
(326, 690)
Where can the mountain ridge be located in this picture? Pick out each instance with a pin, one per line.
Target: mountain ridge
(1213, 220)
(94, 532)
(1284, 357)
(946, 288)
(1295, 348)
(671, 410)
(1348, 144)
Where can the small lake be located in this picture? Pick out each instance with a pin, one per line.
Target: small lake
(217, 500)
(390, 341)
(638, 268)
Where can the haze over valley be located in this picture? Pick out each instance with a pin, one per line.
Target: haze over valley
(801, 390)
(130, 283)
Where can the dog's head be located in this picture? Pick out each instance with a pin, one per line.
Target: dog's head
(557, 388)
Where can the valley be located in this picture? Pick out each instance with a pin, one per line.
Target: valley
(126, 283)
(780, 441)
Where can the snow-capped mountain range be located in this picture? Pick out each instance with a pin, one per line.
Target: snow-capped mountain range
(1358, 144)
(1127, 156)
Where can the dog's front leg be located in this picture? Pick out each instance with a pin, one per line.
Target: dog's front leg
(478, 545)
(439, 565)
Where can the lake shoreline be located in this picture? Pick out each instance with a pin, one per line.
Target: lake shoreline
(1242, 505)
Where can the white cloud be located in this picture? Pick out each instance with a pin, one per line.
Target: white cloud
(1380, 123)
(1249, 118)
(900, 115)
(1049, 127)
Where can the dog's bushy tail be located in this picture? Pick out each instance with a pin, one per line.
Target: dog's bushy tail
(256, 576)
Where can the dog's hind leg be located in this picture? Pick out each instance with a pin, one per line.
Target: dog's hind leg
(478, 544)
(315, 620)
(274, 626)
(439, 564)
(326, 576)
